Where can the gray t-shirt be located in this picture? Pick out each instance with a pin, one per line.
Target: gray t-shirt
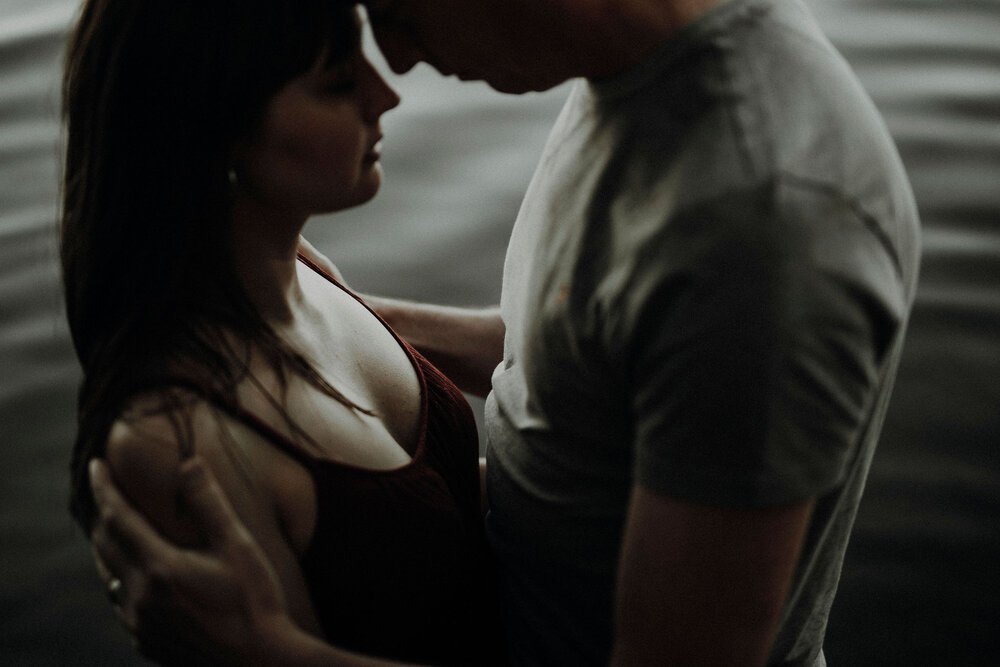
(705, 292)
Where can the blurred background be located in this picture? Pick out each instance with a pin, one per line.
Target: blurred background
(921, 584)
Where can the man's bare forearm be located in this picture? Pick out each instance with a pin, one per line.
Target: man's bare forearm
(465, 343)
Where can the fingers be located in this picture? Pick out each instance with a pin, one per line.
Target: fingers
(116, 598)
(124, 531)
(206, 504)
(102, 569)
(160, 581)
(234, 566)
(128, 548)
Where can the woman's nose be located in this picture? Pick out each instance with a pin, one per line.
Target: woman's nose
(381, 96)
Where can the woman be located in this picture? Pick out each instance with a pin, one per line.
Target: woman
(201, 136)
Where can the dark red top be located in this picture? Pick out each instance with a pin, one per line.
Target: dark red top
(398, 565)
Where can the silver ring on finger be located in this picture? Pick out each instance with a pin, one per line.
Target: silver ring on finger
(114, 590)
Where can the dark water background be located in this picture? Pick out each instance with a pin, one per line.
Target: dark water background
(921, 585)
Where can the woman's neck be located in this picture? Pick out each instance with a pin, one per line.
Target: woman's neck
(265, 250)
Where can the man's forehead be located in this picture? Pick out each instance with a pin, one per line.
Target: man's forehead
(382, 9)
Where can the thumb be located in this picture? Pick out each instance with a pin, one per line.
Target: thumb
(202, 498)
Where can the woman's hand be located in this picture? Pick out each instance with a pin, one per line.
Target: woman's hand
(219, 604)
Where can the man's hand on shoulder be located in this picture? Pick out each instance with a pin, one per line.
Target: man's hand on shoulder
(219, 601)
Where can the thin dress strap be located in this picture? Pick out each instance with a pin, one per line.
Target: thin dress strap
(286, 444)
(245, 417)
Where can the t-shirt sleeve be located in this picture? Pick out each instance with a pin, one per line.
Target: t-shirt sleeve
(757, 327)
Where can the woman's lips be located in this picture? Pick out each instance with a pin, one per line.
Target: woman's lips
(375, 152)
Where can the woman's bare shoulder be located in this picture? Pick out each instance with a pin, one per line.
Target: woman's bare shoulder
(145, 446)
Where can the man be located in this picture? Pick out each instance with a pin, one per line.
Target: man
(703, 306)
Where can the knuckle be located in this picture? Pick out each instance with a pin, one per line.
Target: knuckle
(158, 575)
(105, 510)
(99, 538)
(242, 550)
(129, 620)
(141, 599)
(110, 524)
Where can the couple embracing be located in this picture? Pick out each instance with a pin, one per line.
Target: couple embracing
(703, 305)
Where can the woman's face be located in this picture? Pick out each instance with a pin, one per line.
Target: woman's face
(316, 149)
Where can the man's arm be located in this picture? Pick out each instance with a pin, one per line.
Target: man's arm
(700, 585)
(221, 603)
(466, 344)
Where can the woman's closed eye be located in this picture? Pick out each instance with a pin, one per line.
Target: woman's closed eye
(339, 80)
(340, 86)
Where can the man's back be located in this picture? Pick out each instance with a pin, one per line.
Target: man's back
(705, 293)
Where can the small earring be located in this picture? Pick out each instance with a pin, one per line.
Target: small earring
(231, 175)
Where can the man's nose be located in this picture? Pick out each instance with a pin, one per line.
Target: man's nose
(400, 50)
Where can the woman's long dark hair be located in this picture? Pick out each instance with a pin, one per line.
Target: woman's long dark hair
(157, 97)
